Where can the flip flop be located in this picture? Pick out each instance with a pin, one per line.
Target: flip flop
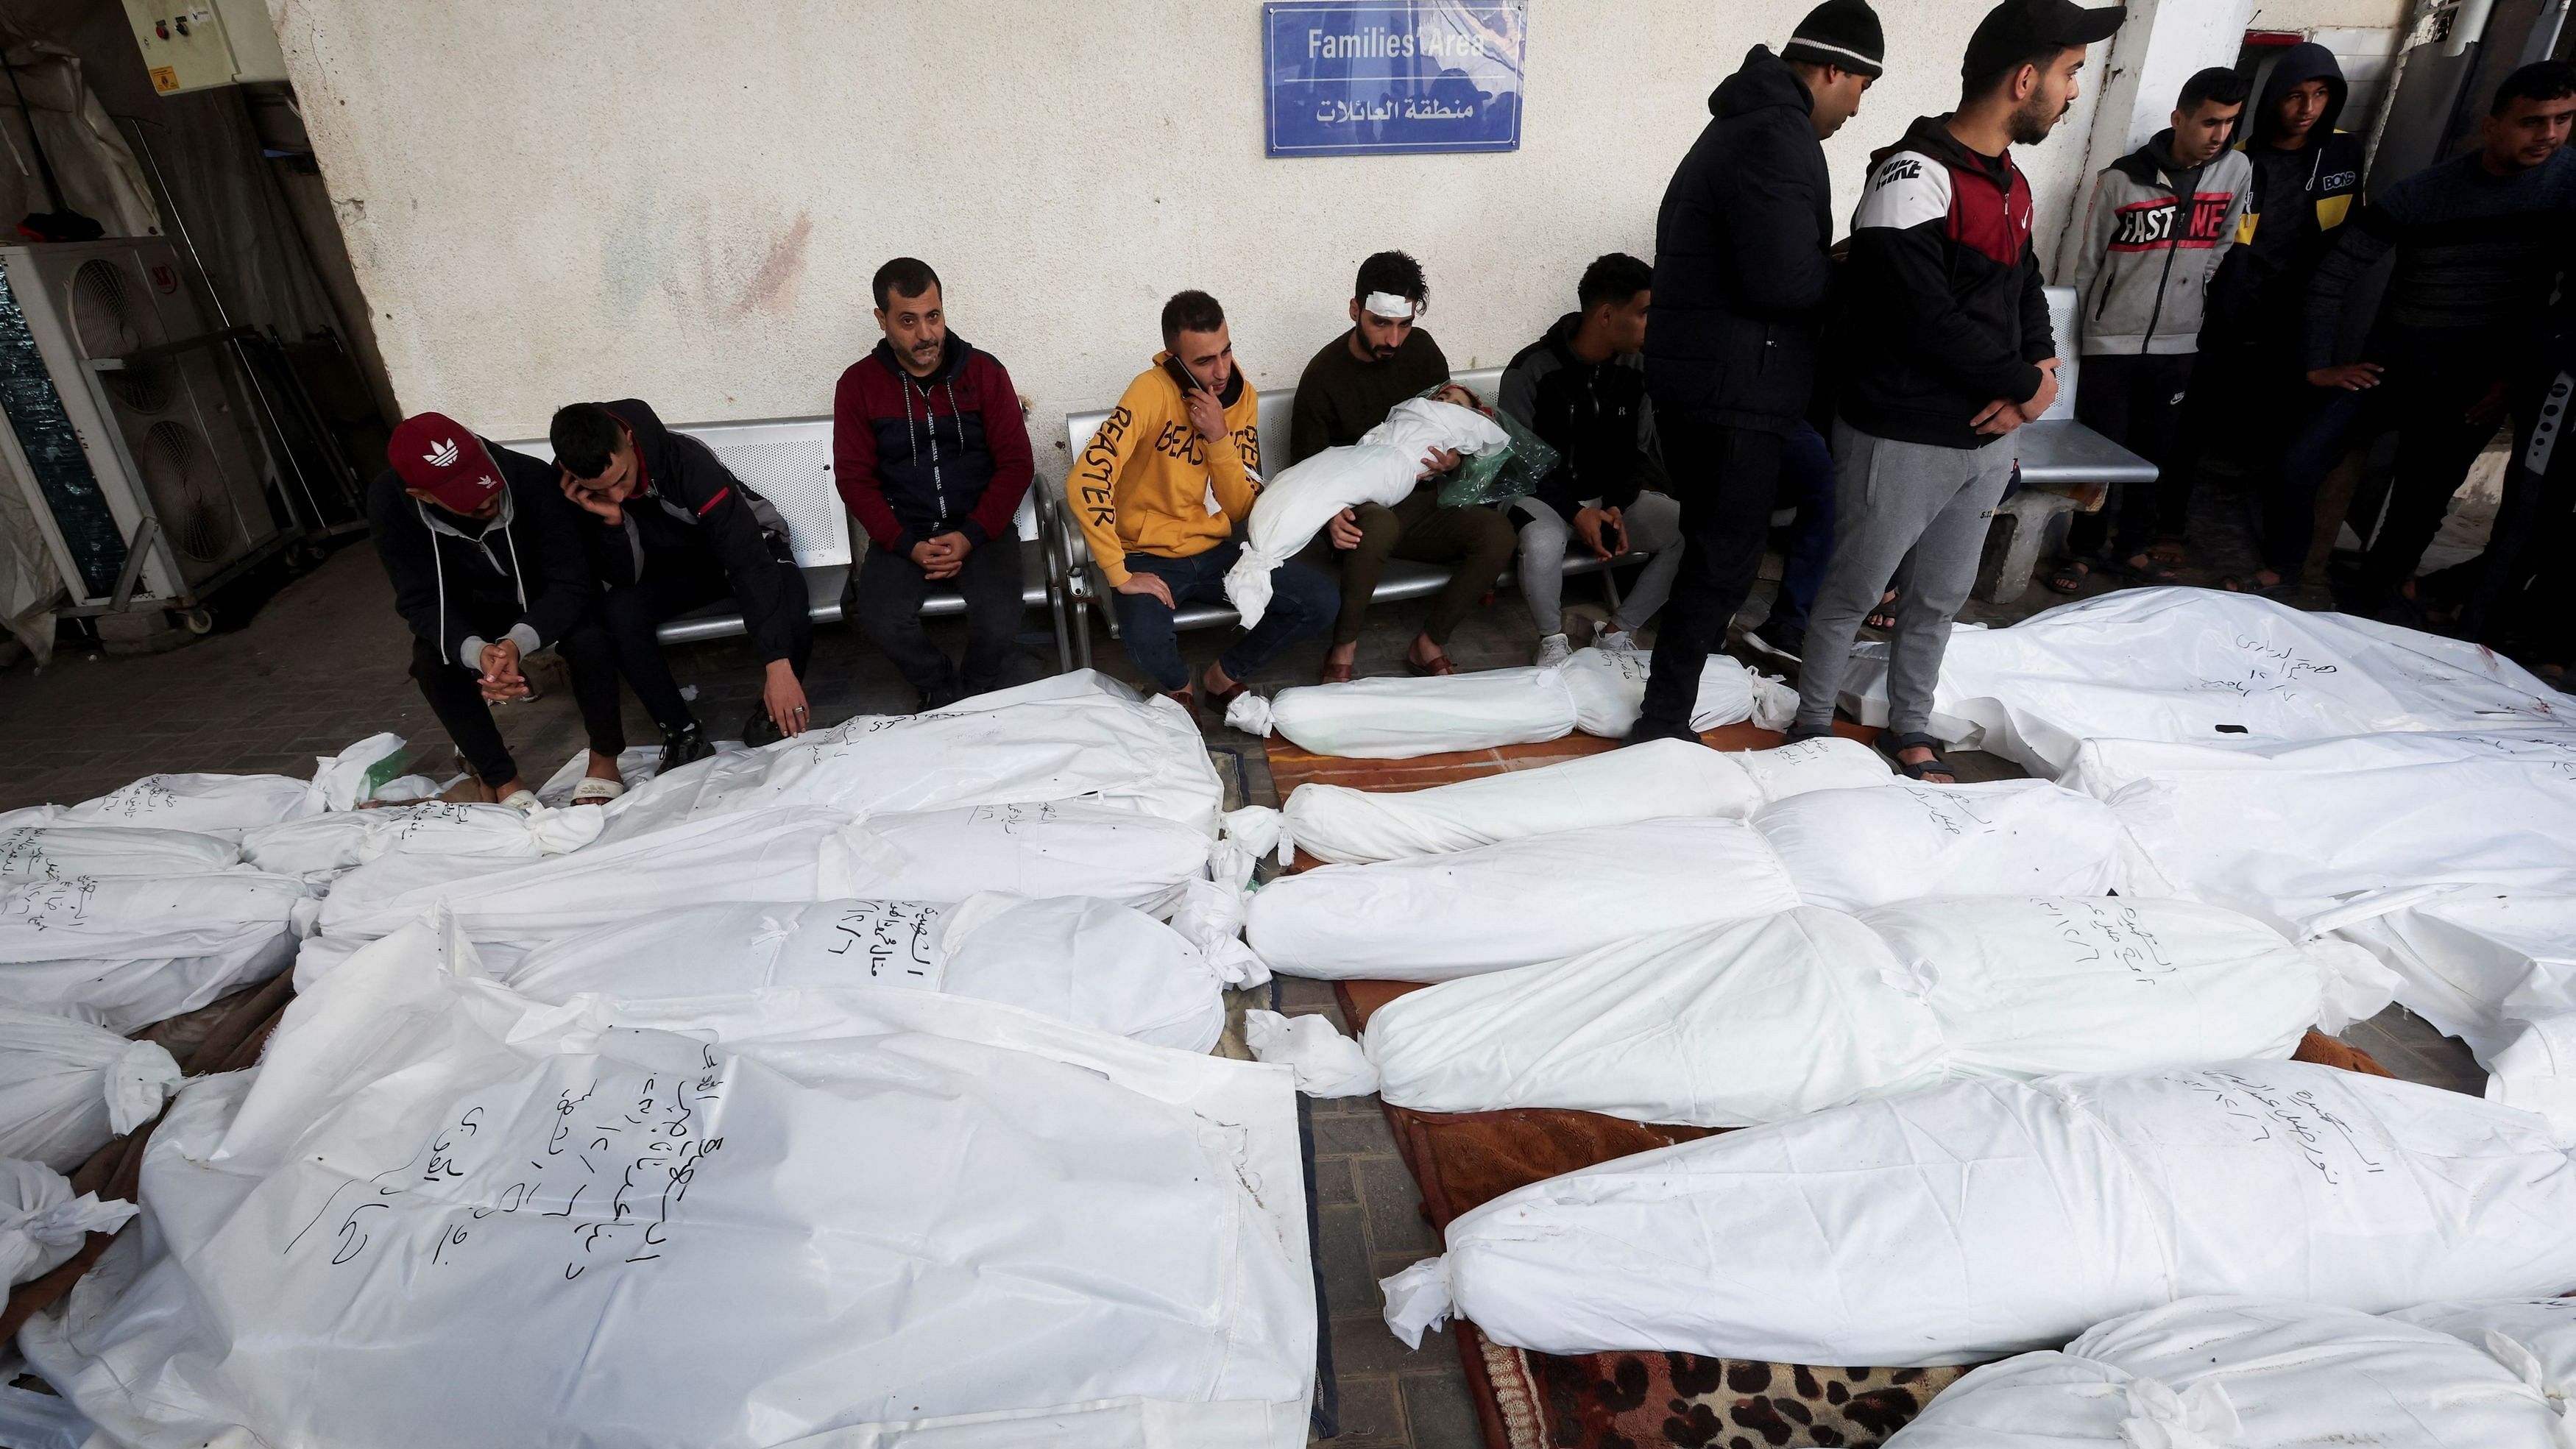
(2070, 577)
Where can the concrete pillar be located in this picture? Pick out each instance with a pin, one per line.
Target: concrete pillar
(2163, 43)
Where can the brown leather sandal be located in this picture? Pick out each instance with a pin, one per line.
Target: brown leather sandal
(1334, 673)
(1214, 699)
(1441, 666)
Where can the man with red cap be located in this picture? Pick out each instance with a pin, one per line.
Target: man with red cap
(487, 569)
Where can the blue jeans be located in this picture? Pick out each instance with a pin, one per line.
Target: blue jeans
(1808, 463)
(1302, 605)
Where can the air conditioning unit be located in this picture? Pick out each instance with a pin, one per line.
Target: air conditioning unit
(106, 430)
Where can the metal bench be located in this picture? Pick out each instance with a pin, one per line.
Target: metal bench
(2066, 468)
(789, 462)
(1082, 587)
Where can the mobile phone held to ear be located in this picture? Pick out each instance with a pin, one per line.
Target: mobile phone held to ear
(1188, 381)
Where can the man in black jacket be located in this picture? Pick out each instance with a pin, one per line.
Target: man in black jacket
(1947, 348)
(1582, 389)
(669, 529)
(487, 570)
(1742, 280)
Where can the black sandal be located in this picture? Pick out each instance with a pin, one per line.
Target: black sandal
(2070, 576)
(1894, 747)
(1883, 618)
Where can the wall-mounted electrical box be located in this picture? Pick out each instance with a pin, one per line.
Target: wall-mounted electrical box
(189, 45)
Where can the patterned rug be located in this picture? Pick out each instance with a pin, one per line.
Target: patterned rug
(1642, 1400)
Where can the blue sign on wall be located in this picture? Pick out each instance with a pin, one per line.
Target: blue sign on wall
(1350, 77)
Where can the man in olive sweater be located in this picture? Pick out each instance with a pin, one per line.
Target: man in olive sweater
(1347, 389)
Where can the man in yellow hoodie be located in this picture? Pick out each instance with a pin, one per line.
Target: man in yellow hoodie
(1159, 491)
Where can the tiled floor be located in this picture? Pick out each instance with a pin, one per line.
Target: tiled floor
(324, 663)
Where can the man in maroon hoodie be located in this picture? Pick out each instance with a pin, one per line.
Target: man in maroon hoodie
(932, 456)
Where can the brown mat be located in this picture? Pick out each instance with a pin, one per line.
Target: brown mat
(1641, 1400)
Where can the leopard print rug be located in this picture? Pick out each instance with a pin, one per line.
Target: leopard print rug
(1649, 1400)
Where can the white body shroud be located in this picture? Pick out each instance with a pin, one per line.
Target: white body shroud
(1381, 468)
(1542, 898)
(2291, 832)
(1595, 691)
(66, 1087)
(59, 852)
(1079, 736)
(224, 805)
(1763, 1021)
(862, 1206)
(2201, 666)
(1854, 849)
(2496, 969)
(1977, 1219)
(41, 1224)
(1092, 963)
(322, 845)
(1655, 780)
(127, 951)
(2244, 1373)
(2534, 1337)
(785, 857)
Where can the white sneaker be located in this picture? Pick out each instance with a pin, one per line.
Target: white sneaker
(1615, 641)
(1553, 651)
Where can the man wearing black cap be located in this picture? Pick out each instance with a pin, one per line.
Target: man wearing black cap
(1948, 348)
(1742, 280)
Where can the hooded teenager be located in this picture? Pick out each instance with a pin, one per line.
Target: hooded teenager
(487, 570)
(2251, 380)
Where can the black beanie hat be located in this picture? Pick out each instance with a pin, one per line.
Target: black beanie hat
(1841, 33)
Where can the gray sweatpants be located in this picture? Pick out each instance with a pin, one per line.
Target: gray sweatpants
(1891, 499)
(1654, 525)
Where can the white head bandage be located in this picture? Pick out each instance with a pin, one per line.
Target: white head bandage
(1392, 307)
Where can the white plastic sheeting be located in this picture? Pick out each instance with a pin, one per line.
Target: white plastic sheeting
(789, 856)
(67, 1087)
(127, 951)
(2195, 666)
(1093, 963)
(1762, 1021)
(1327, 1063)
(2244, 1373)
(2496, 969)
(2289, 832)
(42, 1224)
(1381, 468)
(1654, 780)
(1074, 736)
(1388, 718)
(1977, 1219)
(59, 852)
(717, 1221)
(227, 804)
(1853, 849)
(340, 839)
(1542, 898)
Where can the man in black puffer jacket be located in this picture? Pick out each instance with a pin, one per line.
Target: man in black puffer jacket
(1742, 280)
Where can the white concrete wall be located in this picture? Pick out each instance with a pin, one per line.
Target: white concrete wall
(684, 202)
(2331, 14)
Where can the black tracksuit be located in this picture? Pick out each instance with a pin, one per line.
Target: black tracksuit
(1742, 281)
(1594, 414)
(691, 535)
(462, 584)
